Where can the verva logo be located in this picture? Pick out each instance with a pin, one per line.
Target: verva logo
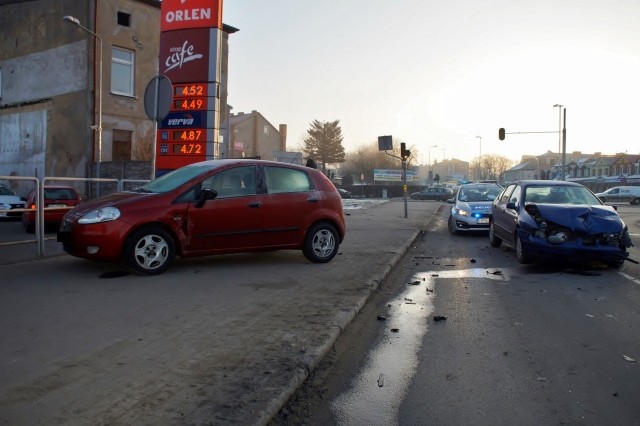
(181, 120)
(183, 14)
(179, 55)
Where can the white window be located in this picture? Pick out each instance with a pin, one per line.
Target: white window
(122, 71)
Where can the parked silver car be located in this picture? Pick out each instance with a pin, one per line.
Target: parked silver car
(10, 201)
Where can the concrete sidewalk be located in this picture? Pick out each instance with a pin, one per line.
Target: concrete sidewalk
(217, 340)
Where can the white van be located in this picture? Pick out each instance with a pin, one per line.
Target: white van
(621, 194)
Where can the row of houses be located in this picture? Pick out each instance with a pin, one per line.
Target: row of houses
(597, 171)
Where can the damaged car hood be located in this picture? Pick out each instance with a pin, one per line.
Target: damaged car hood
(581, 218)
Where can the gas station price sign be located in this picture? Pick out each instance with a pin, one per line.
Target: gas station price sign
(188, 148)
(189, 104)
(190, 135)
(190, 90)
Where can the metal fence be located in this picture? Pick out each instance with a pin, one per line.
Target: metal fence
(39, 185)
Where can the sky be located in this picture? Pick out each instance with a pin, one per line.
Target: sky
(443, 75)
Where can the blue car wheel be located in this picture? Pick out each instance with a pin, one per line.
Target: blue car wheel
(522, 256)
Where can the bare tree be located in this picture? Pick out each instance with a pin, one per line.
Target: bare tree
(492, 167)
(142, 149)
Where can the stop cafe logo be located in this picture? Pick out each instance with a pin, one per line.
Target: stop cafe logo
(184, 14)
(189, 55)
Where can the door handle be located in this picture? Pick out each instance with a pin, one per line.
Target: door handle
(255, 205)
(313, 199)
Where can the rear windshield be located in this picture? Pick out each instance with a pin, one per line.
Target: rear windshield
(59, 194)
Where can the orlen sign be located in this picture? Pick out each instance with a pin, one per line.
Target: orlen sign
(183, 14)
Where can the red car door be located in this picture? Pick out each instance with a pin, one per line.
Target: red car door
(233, 220)
(288, 205)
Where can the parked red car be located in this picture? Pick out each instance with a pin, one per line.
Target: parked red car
(212, 207)
(58, 200)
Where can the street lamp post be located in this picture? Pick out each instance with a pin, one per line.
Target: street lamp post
(77, 23)
(480, 159)
(559, 126)
(429, 165)
(560, 137)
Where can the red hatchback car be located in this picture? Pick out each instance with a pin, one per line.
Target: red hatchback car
(58, 200)
(212, 207)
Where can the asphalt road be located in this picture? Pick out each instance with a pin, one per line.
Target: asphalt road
(529, 345)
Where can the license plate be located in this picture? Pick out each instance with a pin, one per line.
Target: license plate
(56, 206)
(483, 220)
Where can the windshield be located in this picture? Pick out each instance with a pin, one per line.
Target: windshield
(174, 179)
(5, 191)
(560, 195)
(477, 194)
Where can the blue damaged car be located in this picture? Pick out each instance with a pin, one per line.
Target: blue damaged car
(541, 218)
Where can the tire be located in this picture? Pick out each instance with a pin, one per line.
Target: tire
(149, 251)
(615, 263)
(634, 201)
(522, 256)
(321, 243)
(494, 241)
(452, 226)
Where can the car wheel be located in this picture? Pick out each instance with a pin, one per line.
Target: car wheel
(452, 225)
(522, 256)
(494, 241)
(149, 251)
(321, 243)
(634, 201)
(615, 262)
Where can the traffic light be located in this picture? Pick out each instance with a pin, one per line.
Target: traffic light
(404, 152)
(501, 133)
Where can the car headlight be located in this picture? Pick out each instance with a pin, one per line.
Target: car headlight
(461, 212)
(105, 214)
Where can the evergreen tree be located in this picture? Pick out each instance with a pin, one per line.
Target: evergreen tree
(324, 143)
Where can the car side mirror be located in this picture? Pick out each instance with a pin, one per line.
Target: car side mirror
(206, 194)
(451, 201)
(511, 205)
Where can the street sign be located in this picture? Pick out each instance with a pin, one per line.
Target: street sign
(158, 97)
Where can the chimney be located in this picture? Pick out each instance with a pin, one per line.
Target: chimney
(282, 128)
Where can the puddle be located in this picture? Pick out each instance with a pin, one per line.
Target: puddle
(375, 395)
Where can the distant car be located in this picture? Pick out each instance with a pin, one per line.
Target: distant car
(344, 193)
(472, 207)
(10, 201)
(211, 207)
(621, 194)
(435, 193)
(558, 219)
(58, 200)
